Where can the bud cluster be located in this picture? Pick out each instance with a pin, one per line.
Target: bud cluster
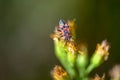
(74, 56)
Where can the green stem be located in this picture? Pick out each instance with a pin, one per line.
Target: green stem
(62, 56)
(89, 69)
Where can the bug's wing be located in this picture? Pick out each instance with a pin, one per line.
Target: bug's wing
(62, 22)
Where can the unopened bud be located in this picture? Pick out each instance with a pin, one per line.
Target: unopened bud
(101, 53)
(59, 74)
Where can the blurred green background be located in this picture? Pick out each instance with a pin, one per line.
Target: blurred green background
(26, 50)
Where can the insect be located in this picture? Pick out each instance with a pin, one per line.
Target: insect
(64, 29)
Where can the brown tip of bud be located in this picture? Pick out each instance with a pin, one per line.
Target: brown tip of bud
(71, 47)
(103, 49)
(82, 48)
(58, 73)
(97, 77)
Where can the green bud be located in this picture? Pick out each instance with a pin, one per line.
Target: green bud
(100, 55)
(96, 59)
(59, 51)
(71, 57)
(82, 60)
(66, 60)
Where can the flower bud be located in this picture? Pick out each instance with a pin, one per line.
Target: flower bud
(101, 53)
(97, 77)
(59, 74)
(65, 47)
(82, 58)
(115, 73)
(71, 52)
(73, 27)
